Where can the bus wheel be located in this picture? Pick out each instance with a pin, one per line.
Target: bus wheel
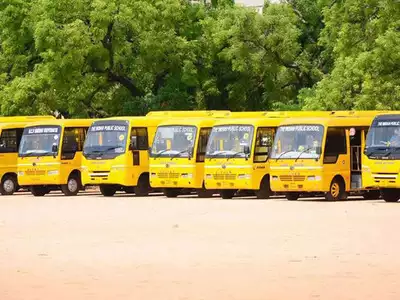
(108, 190)
(9, 185)
(371, 195)
(227, 194)
(391, 195)
(39, 190)
(336, 191)
(143, 186)
(292, 196)
(72, 187)
(265, 190)
(171, 193)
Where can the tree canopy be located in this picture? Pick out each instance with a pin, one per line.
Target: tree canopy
(117, 57)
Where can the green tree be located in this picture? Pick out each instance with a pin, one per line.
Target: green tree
(364, 40)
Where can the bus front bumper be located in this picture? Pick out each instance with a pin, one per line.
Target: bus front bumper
(115, 175)
(40, 177)
(228, 181)
(387, 180)
(298, 183)
(175, 178)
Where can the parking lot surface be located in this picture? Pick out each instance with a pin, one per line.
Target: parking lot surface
(91, 247)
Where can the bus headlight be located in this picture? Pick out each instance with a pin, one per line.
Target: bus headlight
(314, 178)
(153, 175)
(21, 173)
(244, 176)
(187, 175)
(53, 172)
(275, 178)
(208, 176)
(84, 168)
(117, 168)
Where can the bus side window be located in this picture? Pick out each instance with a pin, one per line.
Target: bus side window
(201, 148)
(142, 139)
(8, 141)
(264, 140)
(72, 142)
(335, 145)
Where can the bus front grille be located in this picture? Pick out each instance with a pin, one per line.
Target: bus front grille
(292, 178)
(224, 176)
(165, 175)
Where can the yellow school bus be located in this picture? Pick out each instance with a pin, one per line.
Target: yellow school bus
(320, 155)
(238, 149)
(11, 129)
(381, 158)
(116, 154)
(50, 156)
(177, 156)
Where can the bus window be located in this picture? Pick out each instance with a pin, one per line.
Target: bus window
(72, 142)
(142, 140)
(9, 141)
(202, 146)
(335, 145)
(264, 140)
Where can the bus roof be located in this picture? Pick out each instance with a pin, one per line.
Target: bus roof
(17, 119)
(258, 122)
(142, 121)
(337, 121)
(195, 121)
(191, 113)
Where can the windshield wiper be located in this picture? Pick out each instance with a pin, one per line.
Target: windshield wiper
(211, 156)
(234, 154)
(180, 152)
(161, 152)
(283, 153)
(304, 151)
(31, 154)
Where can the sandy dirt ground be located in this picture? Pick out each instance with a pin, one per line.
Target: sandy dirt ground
(91, 247)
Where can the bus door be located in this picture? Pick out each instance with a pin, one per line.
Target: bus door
(139, 145)
(356, 137)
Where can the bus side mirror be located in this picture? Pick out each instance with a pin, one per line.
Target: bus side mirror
(149, 150)
(246, 150)
(318, 149)
(54, 148)
(190, 152)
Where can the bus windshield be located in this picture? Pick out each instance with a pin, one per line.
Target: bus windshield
(383, 139)
(292, 141)
(174, 141)
(39, 141)
(106, 139)
(229, 140)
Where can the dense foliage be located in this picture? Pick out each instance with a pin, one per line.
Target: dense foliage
(116, 57)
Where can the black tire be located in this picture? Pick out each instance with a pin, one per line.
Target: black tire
(371, 195)
(142, 188)
(391, 195)
(39, 190)
(265, 189)
(292, 196)
(129, 189)
(108, 190)
(171, 193)
(9, 185)
(72, 187)
(227, 194)
(337, 191)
